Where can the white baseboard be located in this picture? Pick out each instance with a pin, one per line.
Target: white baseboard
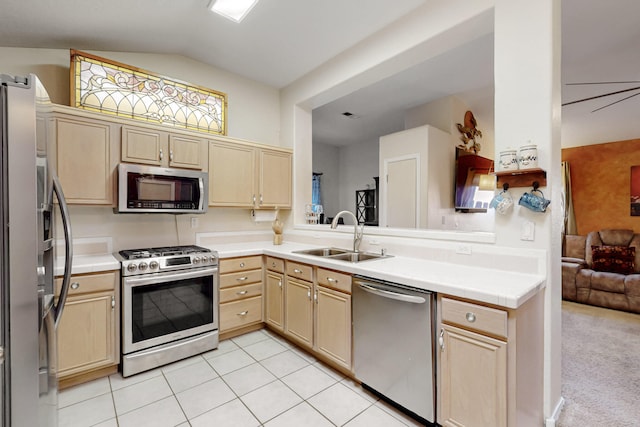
(555, 416)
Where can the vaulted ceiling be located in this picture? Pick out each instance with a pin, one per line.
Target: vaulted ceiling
(282, 40)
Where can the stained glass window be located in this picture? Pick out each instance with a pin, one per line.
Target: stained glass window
(99, 84)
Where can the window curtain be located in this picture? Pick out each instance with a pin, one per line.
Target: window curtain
(315, 189)
(569, 224)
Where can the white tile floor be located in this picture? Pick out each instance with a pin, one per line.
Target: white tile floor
(257, 379)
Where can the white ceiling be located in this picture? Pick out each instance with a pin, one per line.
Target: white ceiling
(281, 40)
(278, 42)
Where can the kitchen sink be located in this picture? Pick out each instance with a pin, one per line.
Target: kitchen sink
(323, 252)
(341, 254)
(358, 256)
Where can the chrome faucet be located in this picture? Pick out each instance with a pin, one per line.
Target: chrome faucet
(357, 234)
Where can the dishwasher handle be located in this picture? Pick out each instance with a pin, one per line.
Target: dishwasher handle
(371, 288)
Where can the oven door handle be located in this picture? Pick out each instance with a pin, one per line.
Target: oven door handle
(155, 278)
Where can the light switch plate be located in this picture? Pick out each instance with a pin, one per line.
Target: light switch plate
(528, 230)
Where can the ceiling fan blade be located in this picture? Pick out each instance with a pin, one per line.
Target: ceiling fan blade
(620, 100)
(602, 96)
(602, 83)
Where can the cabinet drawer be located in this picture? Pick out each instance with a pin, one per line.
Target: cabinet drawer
(300, 271)
(240, 313)
(275, 264)
(476, 317)
(240, 264)
(240, 278)
(335, 280)
(82, 284)
(240, 292)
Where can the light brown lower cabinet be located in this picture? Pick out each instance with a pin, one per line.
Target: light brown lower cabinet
(317, 305)
(333, 325)
(490, 363)
(240, 293)
(299, 311)
(474, 379)
(274, 294)
(88, 336)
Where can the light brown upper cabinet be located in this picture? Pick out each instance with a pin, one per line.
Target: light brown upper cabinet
(159, 148)
(244, 175)
(84, 159)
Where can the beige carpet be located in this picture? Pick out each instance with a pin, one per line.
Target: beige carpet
(600, 367)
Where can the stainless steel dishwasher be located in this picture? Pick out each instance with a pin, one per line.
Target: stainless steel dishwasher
(393, 332)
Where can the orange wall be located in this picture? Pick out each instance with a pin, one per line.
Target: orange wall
(600, 183)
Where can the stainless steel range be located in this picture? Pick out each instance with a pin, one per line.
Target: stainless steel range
(169, 305)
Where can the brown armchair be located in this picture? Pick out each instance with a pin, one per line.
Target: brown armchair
(603, 269)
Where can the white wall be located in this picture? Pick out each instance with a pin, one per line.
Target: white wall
(358, 166)
(253, 108)
(326, 160)
(443, 114)
(345, 169)
(527, 107)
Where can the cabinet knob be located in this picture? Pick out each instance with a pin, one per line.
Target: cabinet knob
(280, 283)
(242, 279)
(242, 265)
(241, 293)
(161, 154)
(332, 280)
(171, 155)
(297, 271)
(244, 313)
(75, 285)
(471, 317)
(441, 340)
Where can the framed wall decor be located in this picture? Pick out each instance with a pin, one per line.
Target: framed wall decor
(635, 190)
(109, 87)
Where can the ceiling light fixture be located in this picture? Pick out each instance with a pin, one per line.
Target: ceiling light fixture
(234, 10)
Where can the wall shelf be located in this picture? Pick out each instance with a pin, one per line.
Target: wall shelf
(521, 178)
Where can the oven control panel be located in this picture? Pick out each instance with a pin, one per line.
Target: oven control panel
(168, 263)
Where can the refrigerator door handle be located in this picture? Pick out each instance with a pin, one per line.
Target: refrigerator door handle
(68, 248)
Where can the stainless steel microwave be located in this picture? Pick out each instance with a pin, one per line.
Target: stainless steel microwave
(151, 189)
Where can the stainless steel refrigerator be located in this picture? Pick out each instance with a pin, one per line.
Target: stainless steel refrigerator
(29, 313)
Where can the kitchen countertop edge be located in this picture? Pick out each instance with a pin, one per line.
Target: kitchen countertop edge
(502, 288)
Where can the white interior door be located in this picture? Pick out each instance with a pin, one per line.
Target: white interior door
(402, 208)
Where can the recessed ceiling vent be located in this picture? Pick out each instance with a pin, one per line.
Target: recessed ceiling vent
(350, 115)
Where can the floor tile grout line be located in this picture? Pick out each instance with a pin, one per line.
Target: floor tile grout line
(318, 364)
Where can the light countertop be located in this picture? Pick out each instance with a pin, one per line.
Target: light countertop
(503, 288)
(493, 286)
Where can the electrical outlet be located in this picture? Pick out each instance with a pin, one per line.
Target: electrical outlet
(463, 250)
(194, 222)
(528, 231)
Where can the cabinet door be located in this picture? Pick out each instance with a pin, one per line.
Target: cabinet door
(231, 175)
(473, 369)
(299, 311)
(83, 161)
(87, 334)
(333, 325)
(275, 179)
(144, 146)
(274, 308)
(184, 152)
